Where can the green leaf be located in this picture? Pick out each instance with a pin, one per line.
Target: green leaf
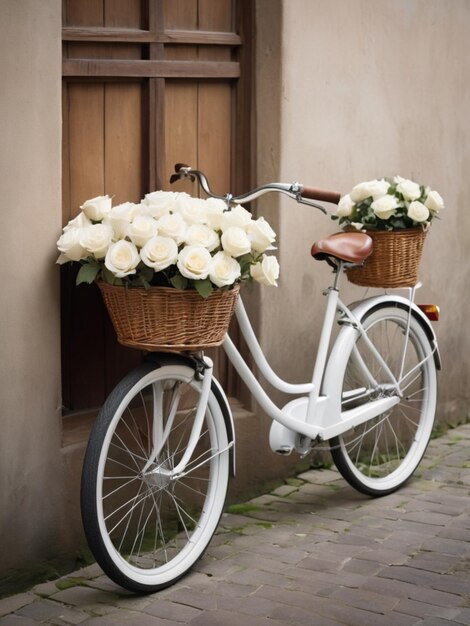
(108, 276)
(179, 282)
(203, 287)
(145, 272)
(87, 273)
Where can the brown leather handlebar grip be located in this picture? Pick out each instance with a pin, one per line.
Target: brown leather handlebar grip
(323, 195)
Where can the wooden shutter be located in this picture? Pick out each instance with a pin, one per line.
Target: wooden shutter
(147, 83)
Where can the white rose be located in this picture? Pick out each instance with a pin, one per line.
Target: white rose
(418, 212)
(81, 221)
(159, 253)
(119, 219)
(238, 216)
(141, 230)
(385, 207)
(214, 212)
(202, 235)
(357, 225)
(408, 189)
(70, 246)
(160, 203)
(224, 269)
(194, 262)
(193, 210)
(235, 241)
(261, 234)
(96, 239)
(122, 258)
(96, 208)
(372, 188)
(266, 271)
(172, 225)
(345, 206)
(434, 202)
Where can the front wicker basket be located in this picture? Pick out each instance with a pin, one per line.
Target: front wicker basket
(394, 263)
(166, 319)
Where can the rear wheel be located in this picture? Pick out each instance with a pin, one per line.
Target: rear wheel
(380, 455)
(146, 526)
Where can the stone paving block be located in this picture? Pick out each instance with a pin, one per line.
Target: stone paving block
(455, 532)
(17, 620)
(42, 610)
(320, 476)
(12, 603)
(357, 566)
(283, 554)
(295, 616)
(298, 599)
(233, 590)
(253, 576)
(127, 618)
(250, 606)
(385, 557)
(321, 564)
(434, 562)
(284, 490)
(191, 598)
(172, 611)
(45, 589)
(435, 597)
(427, 517)
(463, 617)
(85, 597)
(353, 616)
(368, 600)
(226, 618)
(446, 546)
(420, 609)
(336, 550)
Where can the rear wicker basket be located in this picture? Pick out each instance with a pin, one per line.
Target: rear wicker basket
(166, 319)
(395, 260)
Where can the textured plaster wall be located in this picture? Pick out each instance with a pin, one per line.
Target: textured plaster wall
(365, 89)
(30, 127)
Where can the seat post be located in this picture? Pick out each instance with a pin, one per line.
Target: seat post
(338, 273)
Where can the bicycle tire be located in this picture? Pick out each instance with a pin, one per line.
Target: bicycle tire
(145, 528)
(379, 456)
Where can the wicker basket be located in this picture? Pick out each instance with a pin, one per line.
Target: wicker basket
(394, 261)
(166, 319)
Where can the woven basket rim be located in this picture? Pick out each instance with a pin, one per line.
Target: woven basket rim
(103, 283)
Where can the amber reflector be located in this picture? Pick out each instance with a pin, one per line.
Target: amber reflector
(431, 311)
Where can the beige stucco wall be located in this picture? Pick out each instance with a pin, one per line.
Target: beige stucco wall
(365, 89)
(30, 127)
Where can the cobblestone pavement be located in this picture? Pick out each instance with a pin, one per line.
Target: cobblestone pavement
(311, 553)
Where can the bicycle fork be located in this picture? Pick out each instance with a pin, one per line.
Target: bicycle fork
(160, 434)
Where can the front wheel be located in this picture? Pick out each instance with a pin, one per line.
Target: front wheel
(380, 455)
(145, 525)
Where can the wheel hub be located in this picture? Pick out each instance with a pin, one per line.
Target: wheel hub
(159, 477)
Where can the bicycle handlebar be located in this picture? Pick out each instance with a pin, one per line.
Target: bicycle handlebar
(298, 192)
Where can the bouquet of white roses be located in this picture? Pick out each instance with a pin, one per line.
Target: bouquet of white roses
(389, 204)
(169, 239)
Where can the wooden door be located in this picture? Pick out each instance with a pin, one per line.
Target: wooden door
(147, 83)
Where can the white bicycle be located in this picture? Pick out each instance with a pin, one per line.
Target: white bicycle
(162, 449)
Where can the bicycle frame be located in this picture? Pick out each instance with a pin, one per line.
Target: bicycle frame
(315, 416)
